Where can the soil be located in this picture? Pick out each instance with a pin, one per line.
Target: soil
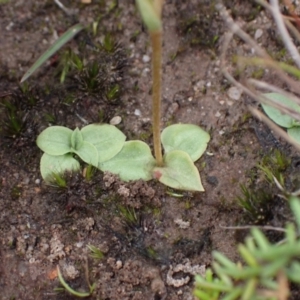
(153, 239)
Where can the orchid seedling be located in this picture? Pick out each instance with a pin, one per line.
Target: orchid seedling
(281, 119)
(183, 143)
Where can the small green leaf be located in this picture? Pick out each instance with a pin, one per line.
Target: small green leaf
(179, 172)
(133, 162)
(295, 208)
(88, 153)
(277, 116)
(55, 140)
(76, 139)
(149, 15)
(293, 272)
(294, 133)
(107, 139)
(185, 137)
(61, 41)
(57, 164)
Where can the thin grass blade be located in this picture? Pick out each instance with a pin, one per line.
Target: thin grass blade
(61, 41)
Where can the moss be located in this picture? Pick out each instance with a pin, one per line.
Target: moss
(129, 215)
(144, 136)
(12, 122)
(258, 74)
(187, 204)
(256, 204)
(273, 165)
(259, 198)
(16, 192)
(199, 29)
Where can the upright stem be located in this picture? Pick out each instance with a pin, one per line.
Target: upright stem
(156, 38)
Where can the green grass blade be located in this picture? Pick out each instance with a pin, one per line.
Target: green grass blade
(61, 41)
(69, 289)
(257, 61)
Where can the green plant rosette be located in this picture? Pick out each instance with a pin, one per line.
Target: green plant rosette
(94, 143)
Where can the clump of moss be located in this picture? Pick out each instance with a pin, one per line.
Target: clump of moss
(18, 121)
(247, 10)
(101, 76)
(105, 75)
(260, 200)
(75, 191)
(15, 192)
(257, 205)
(199, 29)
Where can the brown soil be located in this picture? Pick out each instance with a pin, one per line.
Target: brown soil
(153, 254)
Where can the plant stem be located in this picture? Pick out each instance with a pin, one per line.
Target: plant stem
(156, 38)
(158, 4)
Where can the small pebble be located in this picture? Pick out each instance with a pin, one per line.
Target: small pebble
(31, 260)
(137, 112)
(258, 33)
(217, 114)
(115, 120)
(146, 58)
(145, 72)
(37, 181)
(79, 244)
(119, 264)
(234, 93)
(10, 26)
(26, 180)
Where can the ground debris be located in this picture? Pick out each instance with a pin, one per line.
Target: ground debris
(182, 224)
(133, 194)
(185, 268)
(56, 248)
(69, 270)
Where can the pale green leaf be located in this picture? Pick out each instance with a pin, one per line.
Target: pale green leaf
(149, 15)
(133, 162)
(55, 140)
(294, 133)
(179, 172)
(76, 139)
(61, 41)
(88, 153)
(57, 164)
(185, 137)
(107, 139)
(276, 115)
